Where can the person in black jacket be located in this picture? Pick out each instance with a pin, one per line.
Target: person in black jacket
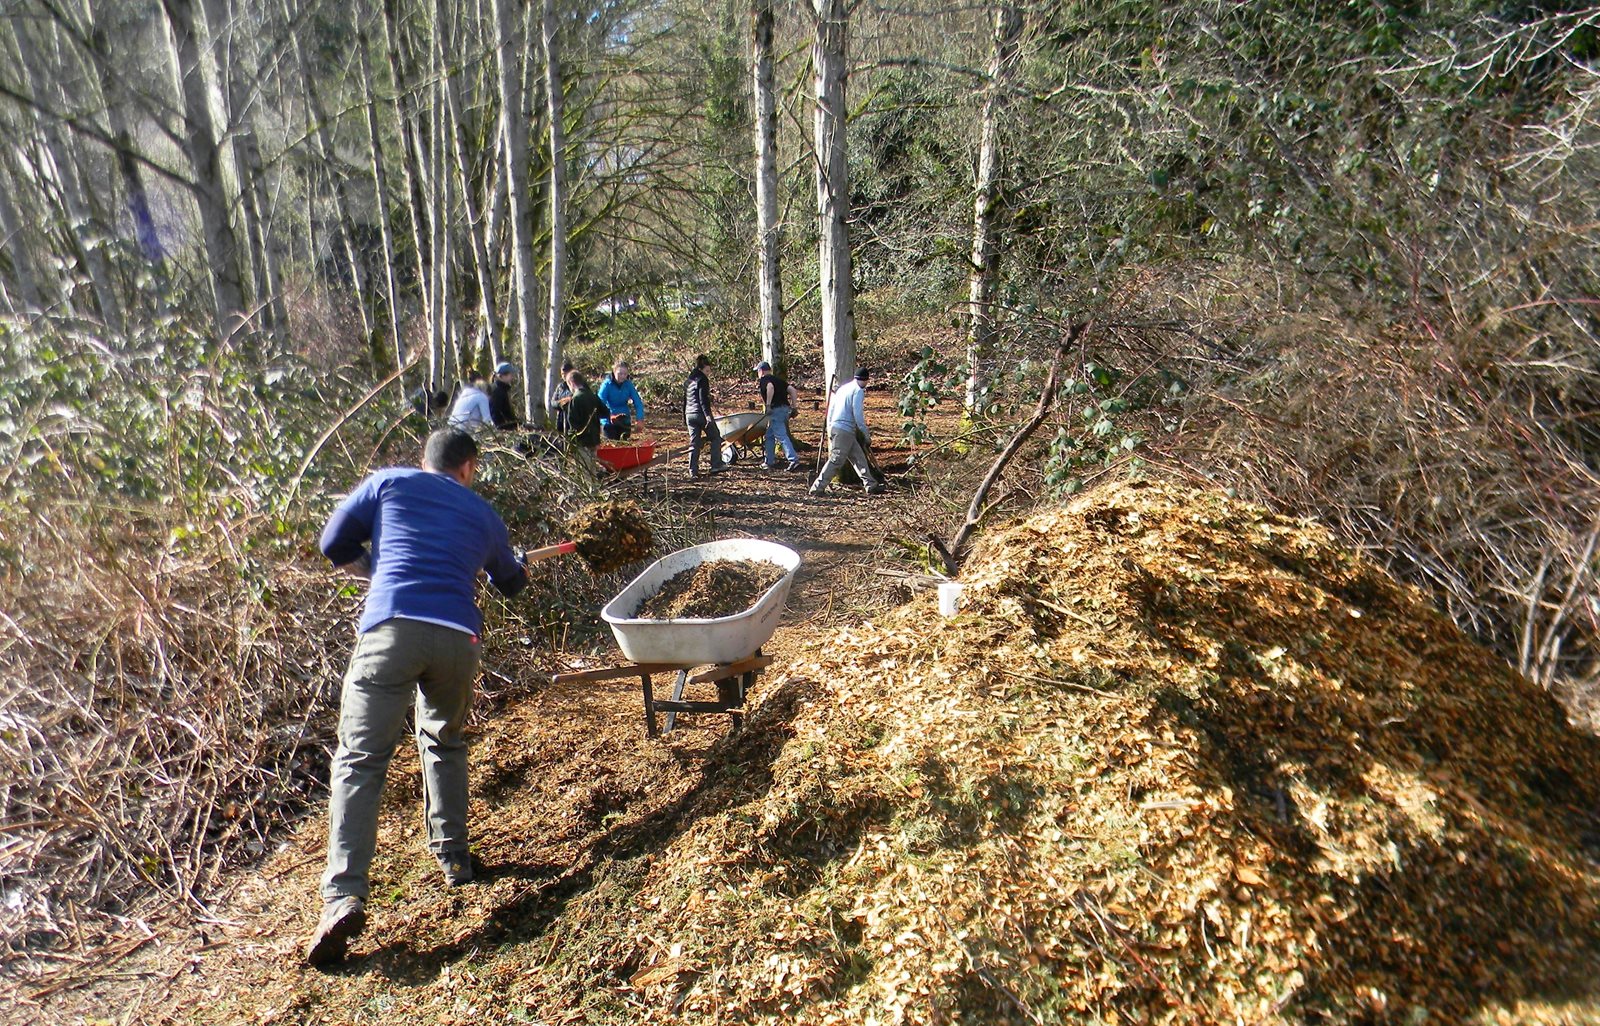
(500, 406)
(698, 418)
(585, 414)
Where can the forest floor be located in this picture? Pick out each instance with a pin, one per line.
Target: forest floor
(1178, 759)
(553, 773)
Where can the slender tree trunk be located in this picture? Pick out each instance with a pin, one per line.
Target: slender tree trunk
(411, 170)
(558, 196)
(769, 238)
(243, 153)
(380, 181)
(833, 190)
(493, 221)
(27, 298)
(325, 152)
(985, 245)
(480, 252)
(73, 196)
(113, 100)
(200, 142)
(524, 273)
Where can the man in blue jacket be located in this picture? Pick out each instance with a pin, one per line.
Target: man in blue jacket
(422, 536)
(617, 391)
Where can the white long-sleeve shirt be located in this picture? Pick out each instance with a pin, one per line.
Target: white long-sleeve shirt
(847, 408)
(471, 410)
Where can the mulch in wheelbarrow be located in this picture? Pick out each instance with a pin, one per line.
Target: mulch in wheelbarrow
(610, 535)
(719, 587)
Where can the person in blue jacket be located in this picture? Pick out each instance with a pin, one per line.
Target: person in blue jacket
(421, 536)
(617, 391)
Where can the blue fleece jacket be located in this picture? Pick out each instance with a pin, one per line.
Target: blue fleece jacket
(617, 397)
(430, 535)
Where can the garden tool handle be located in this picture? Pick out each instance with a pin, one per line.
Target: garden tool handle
(548, 551)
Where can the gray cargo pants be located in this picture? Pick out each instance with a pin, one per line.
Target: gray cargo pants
(843, 447)
(396, 661)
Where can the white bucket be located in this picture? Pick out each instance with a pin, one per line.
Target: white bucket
(949, 597)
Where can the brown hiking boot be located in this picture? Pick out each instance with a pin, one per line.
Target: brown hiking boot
(342, 919)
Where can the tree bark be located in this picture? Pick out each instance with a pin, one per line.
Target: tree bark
(72, 188)
(524, 273)
(137, 197)
(985, 244)
(28, 300)
(380, 182)
(557, 197)
(411, 171)
(482, 266)
(200, 145)
(833, 190)
(769, 238)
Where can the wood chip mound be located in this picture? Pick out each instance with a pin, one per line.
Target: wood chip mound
(719, 587)
(610, 535)
(1178, 761)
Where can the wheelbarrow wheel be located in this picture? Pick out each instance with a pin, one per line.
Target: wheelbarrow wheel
(730, 454)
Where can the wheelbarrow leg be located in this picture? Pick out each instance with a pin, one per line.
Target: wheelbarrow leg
(677, 696)
(649, 707)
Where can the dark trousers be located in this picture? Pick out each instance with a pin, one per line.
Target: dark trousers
(699, 426)
(619, 426)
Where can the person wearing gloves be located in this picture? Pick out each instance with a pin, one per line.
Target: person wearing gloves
(501, 408)
(775, 399)
(421, 536)
(848, 436)
(471, 410)
(698, 418)
(617, 391)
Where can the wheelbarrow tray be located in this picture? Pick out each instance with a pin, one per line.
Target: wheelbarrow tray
(742, 428)
(626, 457)
(692, 642)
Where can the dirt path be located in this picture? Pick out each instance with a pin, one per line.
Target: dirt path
(566, 792)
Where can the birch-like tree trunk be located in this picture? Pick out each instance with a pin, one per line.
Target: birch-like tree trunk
(238, 105)
(482, 266)
(412, 182)
(27, 299)
(833, 190)
(524, 273)
(380, 183)
(63, 164)
(985, 272)
(557, 197)
(200, 145)
(769, 238)
(137, 197)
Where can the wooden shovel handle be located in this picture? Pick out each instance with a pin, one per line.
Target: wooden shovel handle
(548, 551)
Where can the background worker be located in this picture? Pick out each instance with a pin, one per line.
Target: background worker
(471, 410)
(848, 436)
(775, 397)
(620, 395)
(585, 414)
(698, 418)
(422, 536)
(562, 396)
(501, 409)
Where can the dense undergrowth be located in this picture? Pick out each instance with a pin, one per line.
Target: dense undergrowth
(170, 641)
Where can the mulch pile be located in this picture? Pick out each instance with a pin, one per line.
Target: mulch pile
(718, 587)
(1179, 760)
(610, 535)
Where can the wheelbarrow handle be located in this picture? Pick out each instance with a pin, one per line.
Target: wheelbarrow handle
(549, 551)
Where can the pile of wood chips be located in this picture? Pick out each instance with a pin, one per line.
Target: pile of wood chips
(1179, 760)
(611, 535)
(715, 588)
